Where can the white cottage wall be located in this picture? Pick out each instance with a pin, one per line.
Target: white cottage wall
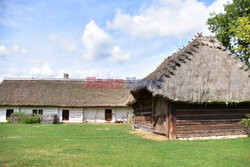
(3, 112)
(94, 115)
(76, 115)
(121, 114)
(98, 114)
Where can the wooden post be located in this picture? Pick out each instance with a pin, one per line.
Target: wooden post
(153, 111)
(172, 129)
(167, 118)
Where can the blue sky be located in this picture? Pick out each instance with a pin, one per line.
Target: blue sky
(96, 38)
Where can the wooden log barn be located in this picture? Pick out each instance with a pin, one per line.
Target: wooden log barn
(204, 91)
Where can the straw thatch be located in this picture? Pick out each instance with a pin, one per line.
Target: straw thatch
(202, 72)
(61, 93)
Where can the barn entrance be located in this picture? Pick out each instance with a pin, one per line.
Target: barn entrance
(65, 115)
(9, 112)
(108, 114)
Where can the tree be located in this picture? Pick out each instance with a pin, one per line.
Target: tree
(232, 28)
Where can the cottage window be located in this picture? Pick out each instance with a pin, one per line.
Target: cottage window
(40, 112)
(36, 111)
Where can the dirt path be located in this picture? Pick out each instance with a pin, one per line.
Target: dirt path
(149, 135)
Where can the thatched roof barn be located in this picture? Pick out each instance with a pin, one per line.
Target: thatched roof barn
(70, 99)
(201, 84)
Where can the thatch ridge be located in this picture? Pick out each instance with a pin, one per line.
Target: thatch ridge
(183, 81)
(59, 93)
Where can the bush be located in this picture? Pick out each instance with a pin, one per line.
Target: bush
(8, 120)
(26, 118)
(246, 121)
(31, 119)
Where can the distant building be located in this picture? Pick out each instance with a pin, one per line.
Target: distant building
(69, 99)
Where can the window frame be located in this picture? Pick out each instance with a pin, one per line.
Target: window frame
(37, 111)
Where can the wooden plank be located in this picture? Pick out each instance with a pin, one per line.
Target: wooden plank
(168, 118)
(147, 107)
(159, 115)
(209, 127)
(143, 118)
(211, 117)
(215, 120)
(204, 133)
(213, 111)
(207, 122)
(205, 114)
(172, 127)
(212, 106)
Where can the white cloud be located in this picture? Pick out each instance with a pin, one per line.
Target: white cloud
(120, 56)
(4, 51)
(45, 70)
(17, 50)
(63, 42)
(218, 6)
(169, 18)
(99, 73)
(96, 41)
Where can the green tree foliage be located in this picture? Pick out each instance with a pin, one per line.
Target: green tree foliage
(232, 28)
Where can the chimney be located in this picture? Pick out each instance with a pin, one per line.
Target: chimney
(66, 76)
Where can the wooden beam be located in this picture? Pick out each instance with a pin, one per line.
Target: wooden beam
(167, 118)
(172, 128)
(153, 110)
(154, 102)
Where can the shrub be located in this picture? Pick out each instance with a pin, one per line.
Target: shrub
(8, 120)
(246, 121)
(25, 118)
(32, 119)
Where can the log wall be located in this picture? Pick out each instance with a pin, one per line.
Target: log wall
(143, 112)
(210, 120)
(180, 120)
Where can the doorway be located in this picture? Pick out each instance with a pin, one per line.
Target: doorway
(108, 114)
(65, 115)
(9, 112)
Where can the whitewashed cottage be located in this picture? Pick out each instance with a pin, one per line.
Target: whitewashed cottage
(68, 98)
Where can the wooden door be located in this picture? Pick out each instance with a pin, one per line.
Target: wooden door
(65, 115)
(9, 112)
(108, 114)
(159, 124)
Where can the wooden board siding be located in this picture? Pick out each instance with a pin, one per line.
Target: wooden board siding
(172, 124)
(98, 114)
(155, 114)
(180, 120)
(160, 108)
(143, 113)
(210, 120)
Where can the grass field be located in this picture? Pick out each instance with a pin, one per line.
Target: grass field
(110, 145)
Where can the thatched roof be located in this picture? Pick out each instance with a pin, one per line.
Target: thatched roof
(202, 72)
(60, 93)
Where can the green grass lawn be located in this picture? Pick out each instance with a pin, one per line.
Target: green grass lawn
(110, 145)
